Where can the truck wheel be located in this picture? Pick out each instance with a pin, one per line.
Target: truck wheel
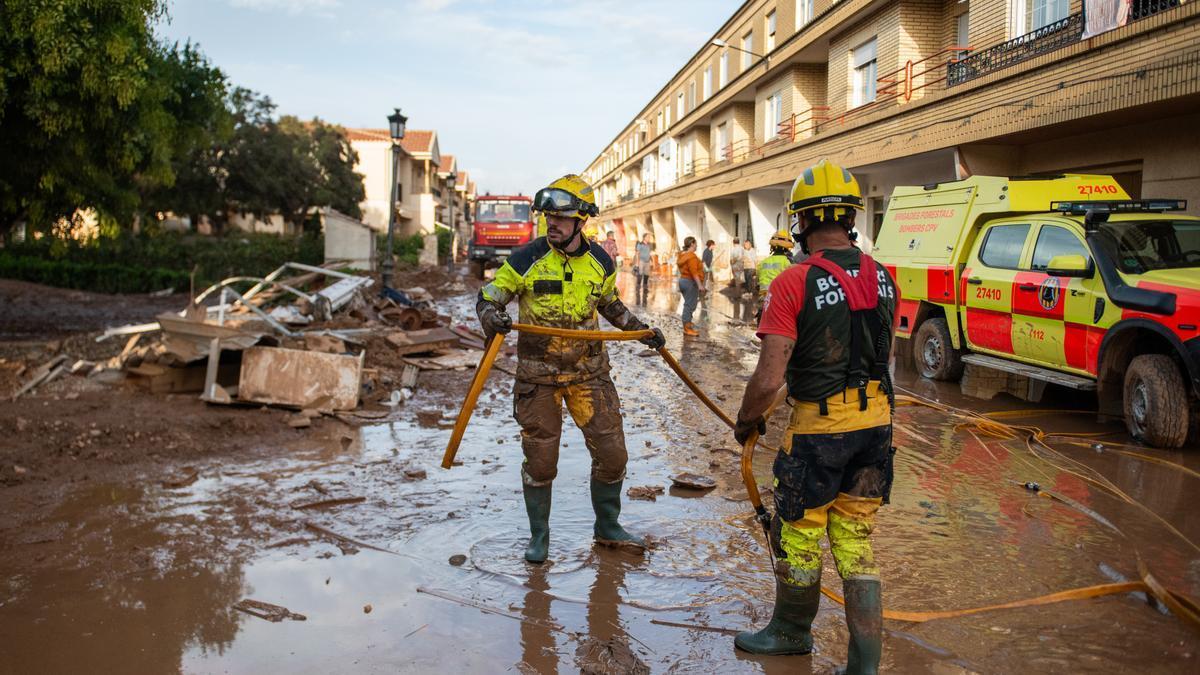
(1156, 403)
(933, 354)
(477, 269)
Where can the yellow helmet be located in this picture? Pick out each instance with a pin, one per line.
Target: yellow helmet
(782, 239)
(541, 225)
(827, 187)
(569, 196)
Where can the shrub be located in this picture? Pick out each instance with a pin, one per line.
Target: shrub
(140, 260)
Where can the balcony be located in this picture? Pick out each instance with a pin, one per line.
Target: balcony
(1041, 41)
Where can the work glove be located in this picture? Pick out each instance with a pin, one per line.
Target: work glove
(743, 428)
(494, 320)
(655, 341)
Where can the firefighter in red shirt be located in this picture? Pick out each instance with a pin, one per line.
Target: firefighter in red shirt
(826, 330)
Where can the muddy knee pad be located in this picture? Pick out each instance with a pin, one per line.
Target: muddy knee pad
(538, 409)
(799, 546)
(851, 521)
(596, 409)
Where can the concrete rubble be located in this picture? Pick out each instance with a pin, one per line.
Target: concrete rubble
(304, 338)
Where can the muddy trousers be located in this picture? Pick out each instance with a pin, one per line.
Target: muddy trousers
(833, 475)
(596, 409)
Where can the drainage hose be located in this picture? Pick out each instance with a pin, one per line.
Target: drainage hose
(493, 348)
(1180, 605)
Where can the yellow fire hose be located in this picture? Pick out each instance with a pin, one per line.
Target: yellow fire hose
(1179, 604)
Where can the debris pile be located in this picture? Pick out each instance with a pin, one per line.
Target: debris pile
(315, 340)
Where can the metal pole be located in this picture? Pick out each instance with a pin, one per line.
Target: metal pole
(389, 264)
(453, 233)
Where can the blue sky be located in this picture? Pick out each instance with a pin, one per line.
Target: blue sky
(521, 91)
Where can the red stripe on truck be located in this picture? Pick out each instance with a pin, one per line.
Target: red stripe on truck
(990, 329)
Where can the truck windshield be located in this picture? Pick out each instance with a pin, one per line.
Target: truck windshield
(1146, 245)
(502, 212)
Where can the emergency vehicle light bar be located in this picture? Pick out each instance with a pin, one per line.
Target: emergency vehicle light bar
(1124, 206)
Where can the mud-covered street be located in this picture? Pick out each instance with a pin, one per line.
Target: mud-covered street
(136, 563)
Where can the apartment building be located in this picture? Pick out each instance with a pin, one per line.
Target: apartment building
(906, 92)
(423, 179)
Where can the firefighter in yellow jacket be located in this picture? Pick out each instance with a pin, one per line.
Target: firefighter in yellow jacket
(562, 280)
(773, 265)
(826, 331)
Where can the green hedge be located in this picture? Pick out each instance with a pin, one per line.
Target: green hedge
(146, 257)
(97, 277)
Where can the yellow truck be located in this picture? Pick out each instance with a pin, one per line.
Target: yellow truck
(1061, 279)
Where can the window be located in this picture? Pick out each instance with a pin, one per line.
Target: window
(707, 86)
(722, 149)
(804, 13)
(667, 117)
(770, 32)
(1040, 13)
(1026, 16)
(723, 75)
(1054, 241)
(773, 115)
(1003, 245)
(687, 157)
(659, 127)
(691, 95)
(865, 73)
(962, 33)
(679, 109)
(747, 50)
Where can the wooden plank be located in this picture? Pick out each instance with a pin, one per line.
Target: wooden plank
(1030, 371)
(421, 341)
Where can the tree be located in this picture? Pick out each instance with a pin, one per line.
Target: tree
(195, 96)
(79, 120)
(288, 167)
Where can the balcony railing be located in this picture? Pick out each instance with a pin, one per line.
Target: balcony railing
(1041, 41)
(1141, 9)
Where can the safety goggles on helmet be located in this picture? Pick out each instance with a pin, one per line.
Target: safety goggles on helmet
(561, 202)
(823, 201)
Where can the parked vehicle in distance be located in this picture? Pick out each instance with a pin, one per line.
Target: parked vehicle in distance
(1060, 279)
(502, 223)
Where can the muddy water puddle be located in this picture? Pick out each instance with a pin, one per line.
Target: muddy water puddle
(450, 591)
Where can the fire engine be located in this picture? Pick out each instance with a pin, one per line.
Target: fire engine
(502, 224)
(1017, 282)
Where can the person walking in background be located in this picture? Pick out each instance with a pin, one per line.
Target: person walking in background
(610, 247)
(691, 283)
(749, 267)
(735, 262)
(641, 269)
(707, 259)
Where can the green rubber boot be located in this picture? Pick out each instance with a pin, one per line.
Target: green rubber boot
(864, 618)
(790, 629)
(537, 505)
(606, 501)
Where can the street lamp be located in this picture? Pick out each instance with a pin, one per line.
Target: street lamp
(452, 178)
(396, 122)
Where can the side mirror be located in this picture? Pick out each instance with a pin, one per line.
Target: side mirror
(1069, 266)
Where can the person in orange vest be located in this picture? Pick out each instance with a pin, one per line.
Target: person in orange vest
(691, 283)
(826, 330)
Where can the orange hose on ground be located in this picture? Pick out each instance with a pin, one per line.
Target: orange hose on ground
(468, 406)
(1073, 594)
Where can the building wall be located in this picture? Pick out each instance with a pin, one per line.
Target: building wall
(374, 163)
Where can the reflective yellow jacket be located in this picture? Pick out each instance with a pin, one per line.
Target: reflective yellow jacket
(770, 268)
(555, 289)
